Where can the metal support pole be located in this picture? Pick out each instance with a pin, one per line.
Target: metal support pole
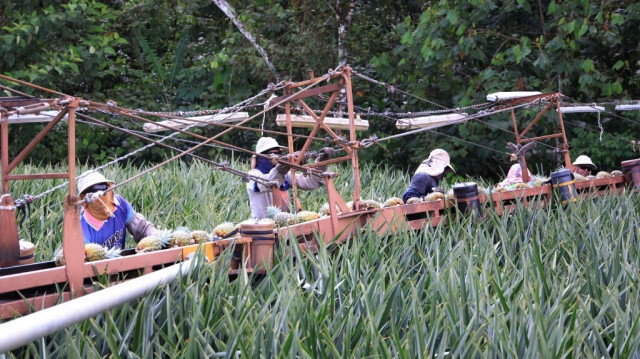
(521, 160)
(73, 242)
(352, 137)
(4, 151)
(565, 145)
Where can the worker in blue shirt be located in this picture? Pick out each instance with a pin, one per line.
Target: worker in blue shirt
(106, 217)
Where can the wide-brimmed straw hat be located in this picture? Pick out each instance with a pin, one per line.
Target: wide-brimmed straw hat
(436, 164)
(87, 180)
(267, 143)
(585, 161)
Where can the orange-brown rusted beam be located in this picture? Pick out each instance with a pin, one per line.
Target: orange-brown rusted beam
(4, 151)
(326, 109)
(536, 119)
(314, 80)
(565, 145)
(73, 240)
(539, 138)
(37, 176)
(325, 127)
(34, 142)
(328, 162)
(305, 93)
(346, 74)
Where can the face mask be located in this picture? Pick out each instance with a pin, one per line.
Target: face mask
(103, 207)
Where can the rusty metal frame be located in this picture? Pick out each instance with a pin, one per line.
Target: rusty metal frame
(339, 226)
(554, 101)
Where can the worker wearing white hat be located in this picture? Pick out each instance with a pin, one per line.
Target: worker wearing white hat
(105, 217)
(428, 174)
(583, 166)
(261, 196)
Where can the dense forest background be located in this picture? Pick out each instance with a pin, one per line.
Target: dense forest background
(167, 55)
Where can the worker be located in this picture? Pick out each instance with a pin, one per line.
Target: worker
(106, 216)
(513, 176)
(583, 166)
(428, 175)
(260, 195)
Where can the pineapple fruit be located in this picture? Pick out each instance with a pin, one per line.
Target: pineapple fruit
(181, 238)
(154, 243)
(393, 201)
(368, 204)
(223, 229)
(603, 174)
(283, 219)
(413, 200)
(306, 216)
(434, 196)
(271, 212)
(199, 236)
(616, 173)
(92, 252)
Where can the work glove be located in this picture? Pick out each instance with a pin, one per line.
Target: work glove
(326, 153)
(282, 168)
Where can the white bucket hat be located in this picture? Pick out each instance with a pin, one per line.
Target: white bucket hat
(436, 164)
(87, 180)
(267, 143)
(583, 160)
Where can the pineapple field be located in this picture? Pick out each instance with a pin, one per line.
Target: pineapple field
(549, 282)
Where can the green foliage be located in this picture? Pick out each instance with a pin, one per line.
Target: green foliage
(174, 55)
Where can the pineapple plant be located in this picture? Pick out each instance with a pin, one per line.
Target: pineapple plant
(393, 201)
(154, 243)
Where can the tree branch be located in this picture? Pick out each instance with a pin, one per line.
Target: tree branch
(231, 14)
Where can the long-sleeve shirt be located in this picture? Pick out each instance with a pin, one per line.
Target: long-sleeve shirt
(111, 232)
(421, 185)
(261, 196)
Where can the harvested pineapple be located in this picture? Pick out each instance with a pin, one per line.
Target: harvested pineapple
(199, 236)
(324, 210)
(591, 177)
(370, 204)
(499, 189)
(413, 200)
(283, 219)
(603, 174)
(224, 229)
(92, 252)
(434, 196)
(522, 185)
(539, 182)
(616, 173)
(306, 216)
(271, 211)
(181, 238)
(393, 201)
(578, 177)
(154, 243)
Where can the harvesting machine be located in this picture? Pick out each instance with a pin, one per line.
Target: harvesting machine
(30, 287)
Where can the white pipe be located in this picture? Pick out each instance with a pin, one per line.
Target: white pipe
(630, 107)
(581, 109)
(24, 330)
